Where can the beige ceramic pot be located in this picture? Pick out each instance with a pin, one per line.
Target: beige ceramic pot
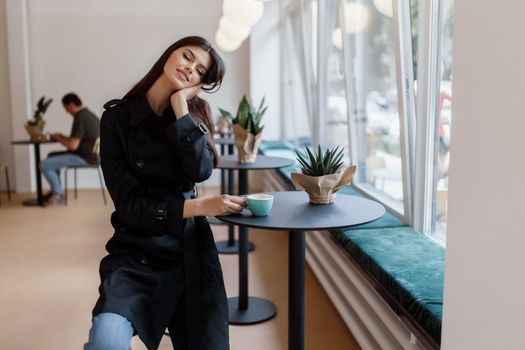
(35, 131)
(322, 189)
(247, 144)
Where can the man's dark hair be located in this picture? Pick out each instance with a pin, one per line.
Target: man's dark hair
(71, 98)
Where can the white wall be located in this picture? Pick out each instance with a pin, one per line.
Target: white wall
(265, 70)
(100, 48)
(6, 151)
(485, 261)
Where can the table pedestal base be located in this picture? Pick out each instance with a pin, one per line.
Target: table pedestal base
(259, 310)
(31, 203)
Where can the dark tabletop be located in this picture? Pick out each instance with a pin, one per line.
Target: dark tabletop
(262, 162)
(29, 142)
(292, 211)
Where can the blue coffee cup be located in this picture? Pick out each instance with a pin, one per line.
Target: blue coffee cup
(260, 204)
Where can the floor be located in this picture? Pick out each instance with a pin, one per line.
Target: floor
(49, 277)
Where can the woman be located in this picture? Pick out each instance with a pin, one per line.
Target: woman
(162, 270)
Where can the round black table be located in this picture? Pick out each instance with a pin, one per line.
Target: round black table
(292, 212)
(245, 309)
(40, 197)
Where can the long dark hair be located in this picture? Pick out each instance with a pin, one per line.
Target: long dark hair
(212, 80)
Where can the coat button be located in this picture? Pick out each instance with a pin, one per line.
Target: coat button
(140, 163)
(144, 260)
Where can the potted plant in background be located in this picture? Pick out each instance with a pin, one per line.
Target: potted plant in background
(35, 126)
(322, 174)
(247, 129)
(224, 123)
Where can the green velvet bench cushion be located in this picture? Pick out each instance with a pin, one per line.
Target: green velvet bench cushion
(409, 265)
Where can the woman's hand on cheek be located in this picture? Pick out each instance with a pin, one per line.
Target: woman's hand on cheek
(189, 92)
(179, 100)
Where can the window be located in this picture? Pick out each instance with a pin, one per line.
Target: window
(360, 70)
(369, 34)
(335, 128)
(298, 72)
(444, 120)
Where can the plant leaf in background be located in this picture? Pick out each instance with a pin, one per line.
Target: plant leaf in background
(243, 113)
(226, 114)
(247, 117)
(41, 107)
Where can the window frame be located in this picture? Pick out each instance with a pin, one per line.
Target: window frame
(428, 105)
(406, 105)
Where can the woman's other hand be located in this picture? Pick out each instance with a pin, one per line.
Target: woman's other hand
(179, 100)
(189, 92)
(214, 206)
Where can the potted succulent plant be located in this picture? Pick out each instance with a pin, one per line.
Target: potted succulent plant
(322, 174)
(223, 125)
(35, 126)
(247, 129)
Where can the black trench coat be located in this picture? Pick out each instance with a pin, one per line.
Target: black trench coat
(162, 271)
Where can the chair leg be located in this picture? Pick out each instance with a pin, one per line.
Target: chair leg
(75, 174)
(7, 183)
(65, 184)
(101, 185)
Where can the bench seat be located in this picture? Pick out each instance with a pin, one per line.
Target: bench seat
(407, 264)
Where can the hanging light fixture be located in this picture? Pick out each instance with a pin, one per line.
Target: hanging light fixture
(357, 17)
(243, 13)
(233, 32)
(337, 38)
(224, 44)
(385, 7)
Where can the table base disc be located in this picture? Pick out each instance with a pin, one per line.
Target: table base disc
(31, 203)
(224, 248)
(259, 310)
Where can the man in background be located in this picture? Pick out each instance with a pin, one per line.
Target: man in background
(84, 133)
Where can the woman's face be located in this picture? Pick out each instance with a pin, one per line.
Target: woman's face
(186, 66)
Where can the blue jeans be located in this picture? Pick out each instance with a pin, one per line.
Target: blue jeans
(109, 331)
(51, 168)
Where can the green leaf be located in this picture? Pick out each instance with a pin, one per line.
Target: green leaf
(320, 162)
(243, 113)
(225, 114)
(248, 117)
(261, 104)
(303, 162)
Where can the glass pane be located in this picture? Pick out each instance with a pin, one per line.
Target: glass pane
(414, 25)
(336, 122)
(370, 34)
(444, 121)
(298, 75)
